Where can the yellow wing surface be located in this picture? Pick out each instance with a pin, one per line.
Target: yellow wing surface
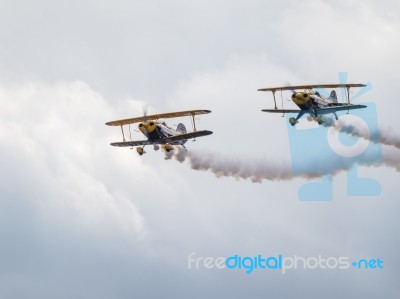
(128, 121)
(311, 86)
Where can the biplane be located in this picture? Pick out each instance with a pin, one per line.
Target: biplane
(158, 132)
(310, 101)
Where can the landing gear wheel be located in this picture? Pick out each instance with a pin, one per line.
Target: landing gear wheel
(140, 151)
(292, 121)
(168, 147)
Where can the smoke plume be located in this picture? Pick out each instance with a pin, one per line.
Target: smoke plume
(258, 170)
(261, 169)
(355, 127)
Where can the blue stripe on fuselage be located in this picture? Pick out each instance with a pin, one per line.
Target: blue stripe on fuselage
(157, 134)
(307, 106)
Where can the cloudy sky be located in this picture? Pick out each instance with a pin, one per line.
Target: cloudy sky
(81, 219)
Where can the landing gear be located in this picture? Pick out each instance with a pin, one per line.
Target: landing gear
(168, 147)
(318, 118)
(293, 120)
(140, 151)
(336, 117)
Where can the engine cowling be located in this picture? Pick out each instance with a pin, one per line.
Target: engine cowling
(147, 126)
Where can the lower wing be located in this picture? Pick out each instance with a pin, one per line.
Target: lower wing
(172, 139)
(325, 110)
(333, 109)
(281, 110)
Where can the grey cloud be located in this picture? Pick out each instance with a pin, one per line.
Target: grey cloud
(82, 219)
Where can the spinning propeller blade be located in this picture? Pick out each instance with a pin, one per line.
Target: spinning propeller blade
(144, 114)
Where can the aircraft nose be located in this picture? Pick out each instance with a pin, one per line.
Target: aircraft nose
(295, 97)
(147, 127)
(143, 127)
(300, 97)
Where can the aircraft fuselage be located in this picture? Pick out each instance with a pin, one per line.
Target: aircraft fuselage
(155, 130)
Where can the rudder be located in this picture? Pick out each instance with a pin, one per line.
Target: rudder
(333, 96)
(181, 128)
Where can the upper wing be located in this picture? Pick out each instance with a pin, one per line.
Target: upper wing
(311, 86)
(127, 121)
(281, 110)
(171, 139)
(332, 109)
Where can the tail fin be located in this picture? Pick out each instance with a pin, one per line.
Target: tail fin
(181, 128)
(333, 96)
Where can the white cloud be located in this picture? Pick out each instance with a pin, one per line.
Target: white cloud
(82, 219)
(58, 132)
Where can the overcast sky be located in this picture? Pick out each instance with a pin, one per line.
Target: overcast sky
(81, 219)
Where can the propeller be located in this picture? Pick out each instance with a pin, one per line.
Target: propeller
(142, 127)
(287, 83)
(147, 126)
(144, 108)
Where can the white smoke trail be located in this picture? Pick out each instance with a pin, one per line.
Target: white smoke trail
(224, 166)
(391, 157)
(388, 137)
(259, 170)
(262, 169)
(356, 127)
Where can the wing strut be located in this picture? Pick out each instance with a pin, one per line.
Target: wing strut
(348, 94)
(273, 93)
(123, 135)
(194, 122)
